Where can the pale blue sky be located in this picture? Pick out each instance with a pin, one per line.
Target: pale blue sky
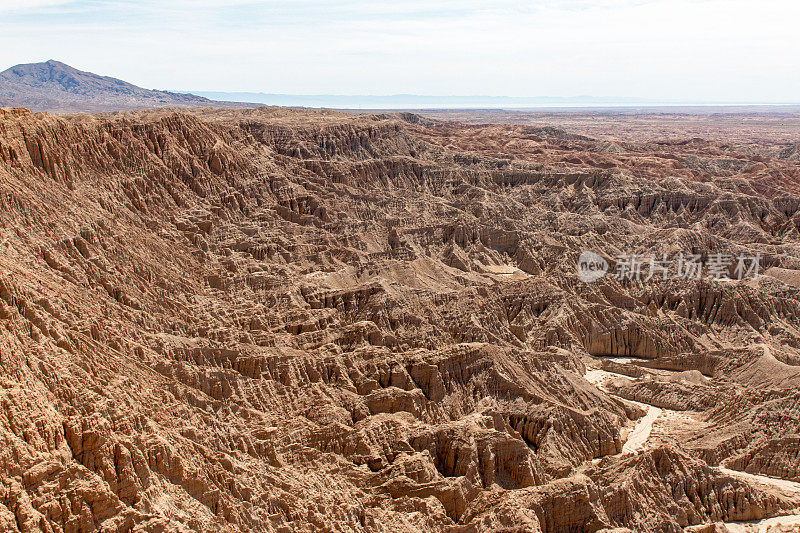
(697, 50)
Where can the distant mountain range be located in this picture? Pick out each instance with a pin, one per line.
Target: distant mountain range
(419, 102)
(57, 87)
(416, 101)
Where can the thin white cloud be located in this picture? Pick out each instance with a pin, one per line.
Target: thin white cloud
(676, 49)
(15, 6)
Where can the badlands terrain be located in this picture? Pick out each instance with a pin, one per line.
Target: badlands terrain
(276, 320)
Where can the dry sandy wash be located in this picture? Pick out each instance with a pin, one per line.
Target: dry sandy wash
(274, 320)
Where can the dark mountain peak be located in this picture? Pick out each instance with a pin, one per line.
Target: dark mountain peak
(55, 75)
(40, 69)
(56, 86)
(53, 64)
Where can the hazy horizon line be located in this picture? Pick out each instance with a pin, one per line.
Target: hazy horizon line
(411, 100)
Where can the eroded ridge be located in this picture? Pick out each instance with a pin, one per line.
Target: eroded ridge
(276, 320)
